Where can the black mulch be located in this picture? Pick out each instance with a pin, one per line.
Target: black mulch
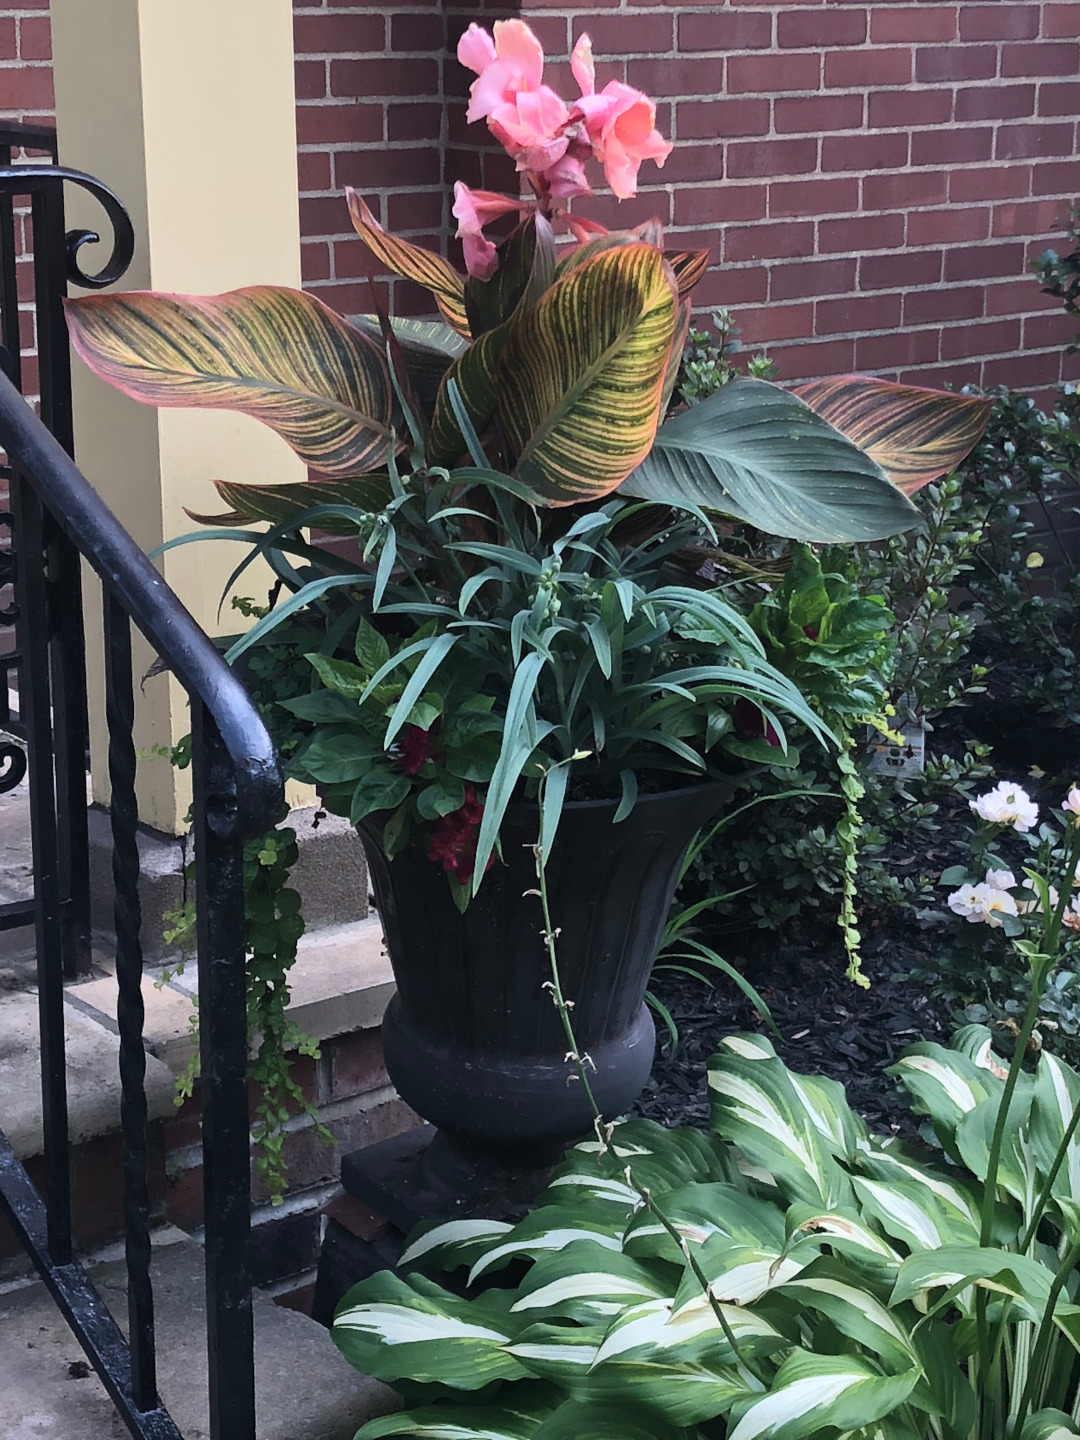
(829, 1027)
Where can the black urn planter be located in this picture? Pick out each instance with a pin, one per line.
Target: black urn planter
(472, 1039)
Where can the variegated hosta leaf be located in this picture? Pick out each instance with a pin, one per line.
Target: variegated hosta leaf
(663, 1159)
(277, 503)
(688, 1331)
(586, 1282)
(843, 1231)
(412, 262)
(944, 1389)
(825, 1102)
(915, 435)
(1055, 1099)
(1018, 1276)
(276, 354)
(456, 1422)
(1049, 1425)
(812, 1393)
(944, 1085)
(1017, 1174)
(739, 1274)
(698, 1212)
(855, 1312)
(581, 376)
(560, 1353)
(908, 1212)
(551, 1228)
(452, 1243)
(759, 453)
(399, 1329)
(756, 1107)
(577, 1420)
(683, 1394)
(957, 1199)
(1067, 1320)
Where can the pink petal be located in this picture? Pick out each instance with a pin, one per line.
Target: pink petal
(565, 179)
(488, 91)
(581, 64)
(476, 49)
(583, 229)
(481, 257)
(518, 47)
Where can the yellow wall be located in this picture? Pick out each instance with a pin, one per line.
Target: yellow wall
(186, 108)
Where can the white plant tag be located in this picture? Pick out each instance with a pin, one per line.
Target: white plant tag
(889, 758)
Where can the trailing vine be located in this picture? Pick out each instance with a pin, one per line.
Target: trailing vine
(273, 926)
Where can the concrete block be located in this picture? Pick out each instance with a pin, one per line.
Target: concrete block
(92, 1070)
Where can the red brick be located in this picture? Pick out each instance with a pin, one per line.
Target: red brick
(947, 147)
(551, 30)
(1041, 59)
(999, 21)
(809, 362)
(1054, 178)
(956, 62)
(894, 109)
(907, 25)
(27, 88)
(1043, 330)
(1036, 217)
(714, 205)
(861, 232)
(339, 124)
(1032, 142)
(310, 79)
(35, 37)
(780, 322)
(357, 1064)
(689, 164)
(812, 278)
(8, 48)
(992, 337)
(733, 285)
(768, 242)
(947, 227)
(1060, 21)
(999, 182)
(875, 353)
(717, 30)
(813, 197)
(904, 188)
(1021, 372)
(1060, 99)
(677, 75)
(953, 302)
(866, 69)
(1016, 297)
(415, 32)
(371, 168)
(313, 170)
(802, 29)
(983, 262)
(712, 119)
(338, 34)
(360, 79)
(315, 261)
(771, 157)
(884, 151)
(324, 215)
(856, 313)
(995, 102)
(412, 122)
(355, 298)
(624, 214)
(422, 211)
(807, 115)
(769, 74)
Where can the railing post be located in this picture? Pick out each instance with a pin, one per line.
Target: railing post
(223, 1046)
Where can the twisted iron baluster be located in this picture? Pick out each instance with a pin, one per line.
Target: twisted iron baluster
(124, 817)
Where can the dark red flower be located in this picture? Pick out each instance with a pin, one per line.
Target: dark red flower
(750, 723)
(415, 747)
(810, 631)
(454, 836)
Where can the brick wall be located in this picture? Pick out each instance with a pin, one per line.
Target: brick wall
(873, 178)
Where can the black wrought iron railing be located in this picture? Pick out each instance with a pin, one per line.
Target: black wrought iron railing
(59, 526)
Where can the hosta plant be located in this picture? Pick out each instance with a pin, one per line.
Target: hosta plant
(530, 514)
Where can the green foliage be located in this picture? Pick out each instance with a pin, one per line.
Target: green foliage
(708, 361)
(1060, 274)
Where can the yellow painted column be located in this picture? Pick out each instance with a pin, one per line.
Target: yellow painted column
(186, 108)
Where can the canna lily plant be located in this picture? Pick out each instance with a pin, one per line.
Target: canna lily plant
(533, 505)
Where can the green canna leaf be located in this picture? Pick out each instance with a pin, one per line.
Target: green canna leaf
(275, 354)
(278, 503)
(914, 434)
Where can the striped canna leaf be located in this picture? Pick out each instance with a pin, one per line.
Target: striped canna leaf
(277, 503)
(399, 1329)
(275, 354)
(580, 379)
(412, 262)
(815, 1393)
(915, 435)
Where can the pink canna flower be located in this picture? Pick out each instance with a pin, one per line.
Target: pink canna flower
(506, 64)
(620, 122)
(473, 209)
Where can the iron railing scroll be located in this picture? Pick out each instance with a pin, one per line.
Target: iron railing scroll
(62, 528)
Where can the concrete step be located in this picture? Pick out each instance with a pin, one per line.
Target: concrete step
(304, 1389)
